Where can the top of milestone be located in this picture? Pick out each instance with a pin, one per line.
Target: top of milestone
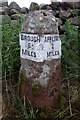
(40, 22)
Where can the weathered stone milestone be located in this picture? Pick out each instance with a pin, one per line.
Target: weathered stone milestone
(40, 73)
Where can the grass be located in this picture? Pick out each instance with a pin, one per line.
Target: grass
(70, 65)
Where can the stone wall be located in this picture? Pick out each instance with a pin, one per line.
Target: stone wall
(61, 10)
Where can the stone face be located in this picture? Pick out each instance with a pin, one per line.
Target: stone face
(40, 81)
(34, 6)
(14, 5)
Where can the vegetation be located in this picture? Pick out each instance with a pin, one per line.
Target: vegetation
(70, 81)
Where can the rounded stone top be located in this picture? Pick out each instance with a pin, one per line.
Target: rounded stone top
(40, 22)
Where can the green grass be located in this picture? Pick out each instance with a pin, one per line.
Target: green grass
(69, 62)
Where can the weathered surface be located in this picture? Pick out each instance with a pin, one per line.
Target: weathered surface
(40, 81)
(40, 22)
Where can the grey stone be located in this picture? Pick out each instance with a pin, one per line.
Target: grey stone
(6, 9)
(55, 13)
(41, 80)
(75, 12)
(44, 7)
(5, 19)
(66, 5)
(15, 16)
(0, 5)
(59, 21)
(4, 2)
(13, 11)
(64, 14)
(2, 11)
(62, 28)
(33, 6)
(40, 21)
(75, 5)
(14, 5)
(75, 21)
(55, 5)
(13, 21)
(24, 10)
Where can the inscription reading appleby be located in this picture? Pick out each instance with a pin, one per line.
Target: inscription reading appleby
(40, 48)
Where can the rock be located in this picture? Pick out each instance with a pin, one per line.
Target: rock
(44, 7)
(13, 11)
(66, 5)
(14, 5)
(59, 21)
(40, 81)
(13, 21)
(2, 11)
(33, 6)
(64, 14)
(4, 3)
(62, 28)
(5, 19)
(24, 10)
(7, 10)
(55, 5)
(53, 12)
(75, 12)
(15, 16)
(0, 5)
(39, 19)
(75, 21)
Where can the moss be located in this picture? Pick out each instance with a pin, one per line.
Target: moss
(35, 88)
